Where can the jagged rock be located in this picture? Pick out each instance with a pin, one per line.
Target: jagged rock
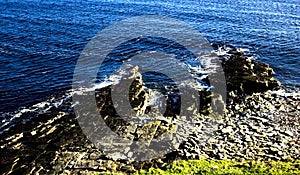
(144, 129)
(246, 76)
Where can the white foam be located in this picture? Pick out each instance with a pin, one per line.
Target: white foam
(221, 51)
(243, 50)
(36, 108)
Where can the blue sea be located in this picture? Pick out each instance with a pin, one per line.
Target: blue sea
(41, 41)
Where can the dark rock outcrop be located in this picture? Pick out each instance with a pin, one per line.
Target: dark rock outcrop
(245, 76)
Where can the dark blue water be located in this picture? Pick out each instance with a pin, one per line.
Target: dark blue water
(40, 41)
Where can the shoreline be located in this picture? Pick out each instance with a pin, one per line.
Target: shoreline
(54, 142)
(259, 126)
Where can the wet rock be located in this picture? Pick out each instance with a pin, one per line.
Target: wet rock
(246, 76)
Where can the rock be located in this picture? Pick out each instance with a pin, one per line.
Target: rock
(93, 156)
(248, 138)
(227, 130)
(273, 149)
(246, 76)
(280, 153)
(259, 119)
(288, 133)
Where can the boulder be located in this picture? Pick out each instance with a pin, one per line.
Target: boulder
(245, 76)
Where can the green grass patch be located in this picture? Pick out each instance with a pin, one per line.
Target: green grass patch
(226, 167)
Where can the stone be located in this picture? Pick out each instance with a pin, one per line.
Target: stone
(93, 156)
(227, 130)
(289, 133)
(248, 138)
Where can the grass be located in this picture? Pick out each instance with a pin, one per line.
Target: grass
(211, 167)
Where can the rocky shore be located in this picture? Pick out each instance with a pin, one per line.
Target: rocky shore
(261, 122)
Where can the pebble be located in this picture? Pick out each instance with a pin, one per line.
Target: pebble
(227, 130)
(262, 130)
(248, 138)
